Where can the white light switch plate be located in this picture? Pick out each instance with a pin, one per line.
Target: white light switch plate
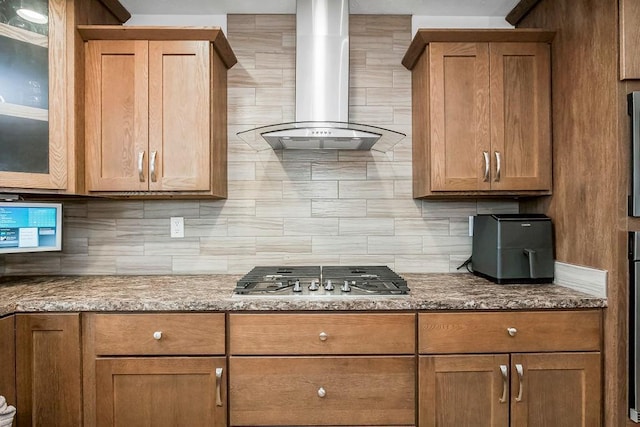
(177, 226)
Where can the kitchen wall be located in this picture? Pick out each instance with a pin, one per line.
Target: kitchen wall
(291, 207)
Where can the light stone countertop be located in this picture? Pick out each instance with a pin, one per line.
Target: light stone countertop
(214, 293)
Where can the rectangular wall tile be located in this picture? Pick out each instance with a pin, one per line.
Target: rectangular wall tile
(227, 207)
(309, 190)
(115, 209)
(284, 245)
(403, 245)
(443, 209)
(173, 247)
(199, 265)
(283, 208)
(339, 208)
(339, 244)
(389, 170)
(84, 264)
(244, 227)
(205, 227)
(366, 227)
(397, 208)
(343, 171)
(283, 171)
(255, 190)
(169, 208)
(422, 263)
(114, 247)
(382, 189)
(422, 226)
(311, 226)
(241, 171)
(436, 245)
(151, 264)
(228, 246)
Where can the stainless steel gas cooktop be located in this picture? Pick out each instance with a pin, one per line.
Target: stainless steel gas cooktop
(322, 281)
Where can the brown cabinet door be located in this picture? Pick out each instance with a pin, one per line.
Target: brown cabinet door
(520, 116)
(116, 115)
(34, 133)
(179, 115)
(459, 116)
(8, 359)
(314, 391)
(556, 389)
(463, 391)
(48, 370)
(161, 392)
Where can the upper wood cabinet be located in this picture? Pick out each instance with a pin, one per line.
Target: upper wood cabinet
(156, 111)
(481, 112)
(629, 35)
(8, 359)
(40, 96)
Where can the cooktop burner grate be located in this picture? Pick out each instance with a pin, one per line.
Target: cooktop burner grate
(318, 280)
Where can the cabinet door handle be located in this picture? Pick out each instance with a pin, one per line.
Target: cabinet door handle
(157, 335)
(218, 386)
(140, 166)
(512, 332)
(505, 382)
(485, 154)
(520, 371)
(498, 165)
(323, 336)
(152, 167)
(322, 392)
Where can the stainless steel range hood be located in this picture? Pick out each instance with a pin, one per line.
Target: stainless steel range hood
(322, 88)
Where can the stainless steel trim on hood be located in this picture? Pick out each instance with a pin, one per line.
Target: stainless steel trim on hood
(322, 88)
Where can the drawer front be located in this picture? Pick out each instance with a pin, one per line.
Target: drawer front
(335, 390)
(497, 332)
(158, 334)
(302, 334)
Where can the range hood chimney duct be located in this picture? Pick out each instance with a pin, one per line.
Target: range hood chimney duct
(322, 88)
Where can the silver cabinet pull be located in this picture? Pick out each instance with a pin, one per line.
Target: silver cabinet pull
(323, 336)
(485, 154)
(520, 371)
(218, 386)
(512, 332)
(157, 335)
(498, 165)
(140, 166)
(152, 167)
(505, 382)
(322, 392)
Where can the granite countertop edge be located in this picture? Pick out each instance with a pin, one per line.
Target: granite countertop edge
(204, 293)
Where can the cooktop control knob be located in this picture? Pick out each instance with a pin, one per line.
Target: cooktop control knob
(297, 287)
(328, 286)
(345, 287)
(314, 285)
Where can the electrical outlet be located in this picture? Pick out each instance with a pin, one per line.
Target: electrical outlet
(177, 226)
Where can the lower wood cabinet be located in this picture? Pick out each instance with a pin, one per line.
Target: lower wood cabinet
(538, 389)
(164, 391)
(48, 370)
(153, 369)
(285, 391)
(8, 359)
(322, 369)
(545, 369)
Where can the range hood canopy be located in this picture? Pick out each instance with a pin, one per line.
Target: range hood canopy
(322, 89)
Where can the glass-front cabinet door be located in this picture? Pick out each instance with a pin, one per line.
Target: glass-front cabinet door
(33, 94)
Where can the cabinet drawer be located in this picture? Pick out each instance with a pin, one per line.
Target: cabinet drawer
(322, 391)
(270, 334)
(497, 332)
(158, 334)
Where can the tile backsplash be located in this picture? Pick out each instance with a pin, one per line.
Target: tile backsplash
(288, 207)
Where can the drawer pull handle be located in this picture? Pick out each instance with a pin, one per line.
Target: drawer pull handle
(141, 166)
(218, 386)
(322, 392)
(505, 382)
(485, 154)
(323, 336)
(152, 171)
(520, 371)
(512, 332)
(157, 335)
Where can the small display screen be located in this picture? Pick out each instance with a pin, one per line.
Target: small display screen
(30, 227)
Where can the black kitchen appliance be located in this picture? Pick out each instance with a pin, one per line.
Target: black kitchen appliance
(322, 281)
(513, 248)
(633, 100)
(634, 326)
